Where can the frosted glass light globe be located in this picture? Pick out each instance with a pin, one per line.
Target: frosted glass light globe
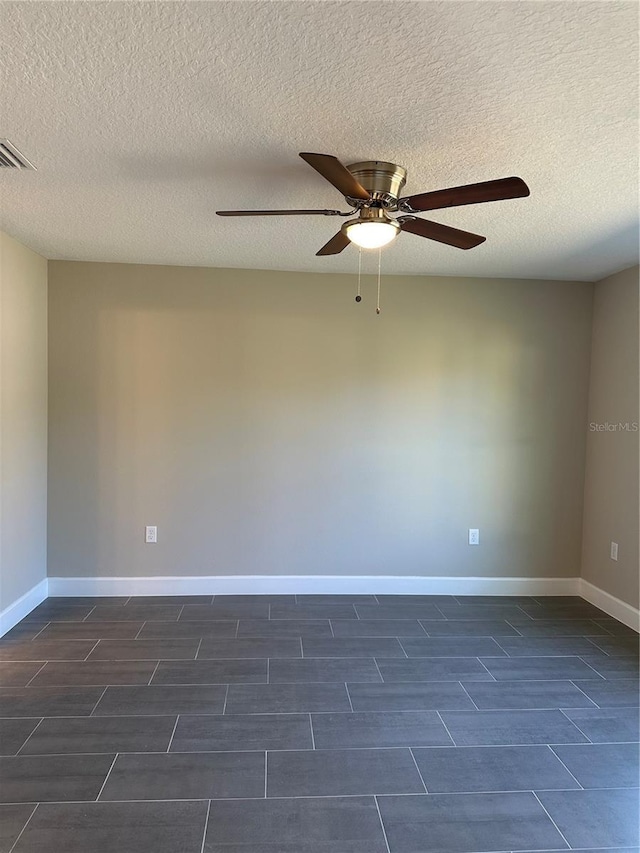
(371, 235)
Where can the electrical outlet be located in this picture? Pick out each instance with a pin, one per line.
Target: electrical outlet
(614, 551)
(474, 536)
(151, 535)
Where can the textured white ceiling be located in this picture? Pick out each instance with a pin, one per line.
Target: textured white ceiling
(144, 118)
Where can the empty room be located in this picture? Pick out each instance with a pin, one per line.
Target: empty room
(319, 426)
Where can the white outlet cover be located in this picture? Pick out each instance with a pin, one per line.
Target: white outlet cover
(474, 536)
(614, 550)
(151, 535)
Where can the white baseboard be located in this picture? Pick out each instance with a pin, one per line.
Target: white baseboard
(318, 584)
(311, 584)
(12, 614)
(620, 610)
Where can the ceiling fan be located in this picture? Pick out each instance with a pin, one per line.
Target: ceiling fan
(372, 189)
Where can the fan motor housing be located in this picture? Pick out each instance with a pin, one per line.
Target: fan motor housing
(384, 181)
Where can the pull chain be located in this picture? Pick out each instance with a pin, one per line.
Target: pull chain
(379, 260)
(358, 297)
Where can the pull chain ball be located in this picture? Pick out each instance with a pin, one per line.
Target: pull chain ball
(378, 299)
(358, 297)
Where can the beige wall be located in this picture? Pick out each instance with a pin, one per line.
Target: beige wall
(23, 420)
(269, 425)
(611, 481)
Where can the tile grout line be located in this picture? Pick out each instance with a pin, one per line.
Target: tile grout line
(576, 725)
(441, 612)
(175, 726)
(446, 728)
(316, 681)
(38, 672)
(488, 670)
(331, 627)
(588, 637)
(30, 736)
(35, 636)
(198, 649)
(551, 819)
(99, 700)
(564, 765)
(330, 711)
(13, 846)
(105, 778)
(235, 638)
(88, 614)
(497, 642)
(346, 687)
(524, 613)
(313, 739)
(268, 667)
(384, 832)
(426, 790)
(224, 707)
(604, 627)
(155, 669)
(593, 668)
(397, 639)
(141, 630)
(92, 650)
(468, 694)
(354, 749)
(595, 704)
(382, 681)
(266, 764)
(341, 796)
(206, 826)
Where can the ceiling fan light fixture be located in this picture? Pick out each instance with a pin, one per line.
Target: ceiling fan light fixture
(371, 233)
(373, 188)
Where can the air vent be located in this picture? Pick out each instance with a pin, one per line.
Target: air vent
(11, 158)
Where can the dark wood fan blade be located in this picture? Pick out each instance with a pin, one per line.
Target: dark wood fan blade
(441, 233)
(469, 194)
(337, 174)
(277, 212)
(336, 244)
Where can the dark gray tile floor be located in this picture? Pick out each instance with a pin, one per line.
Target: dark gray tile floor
(319, 724)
